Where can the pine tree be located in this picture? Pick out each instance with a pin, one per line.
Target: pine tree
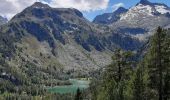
(78, 95)
(140, 82)
(166, 61)
(157, 60)
(116, 75)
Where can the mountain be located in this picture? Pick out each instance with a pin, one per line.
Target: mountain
(3, 20)
(146, 9)
(57, 37)
(108, 18)
(41, 42)
(141, 20)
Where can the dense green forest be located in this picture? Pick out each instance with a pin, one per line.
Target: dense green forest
(145, 78)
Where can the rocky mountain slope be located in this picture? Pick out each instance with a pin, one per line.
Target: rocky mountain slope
(49, 38)
(62, 37)
(42, 41)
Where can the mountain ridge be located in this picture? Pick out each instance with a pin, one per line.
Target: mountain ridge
(3, 20)
(108, 18)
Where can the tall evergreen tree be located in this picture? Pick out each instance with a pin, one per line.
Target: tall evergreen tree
(117, 76)
(78, 95)
(140, 82)
(157, 60)
(166, 61)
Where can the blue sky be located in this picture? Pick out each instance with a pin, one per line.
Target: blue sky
(127, 4)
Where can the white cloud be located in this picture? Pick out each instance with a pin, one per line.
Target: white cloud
(116, 6)
(11, 7)
(83, 5)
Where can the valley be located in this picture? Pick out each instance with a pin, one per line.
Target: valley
(49, 53)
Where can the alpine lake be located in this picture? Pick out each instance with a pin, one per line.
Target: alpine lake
(76, 83)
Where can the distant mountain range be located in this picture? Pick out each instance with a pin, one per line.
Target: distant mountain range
(63, 39)
(3, 20)
(140, 20)
(109, 18)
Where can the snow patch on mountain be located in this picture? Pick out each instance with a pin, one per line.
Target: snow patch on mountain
(145, 9)
(162, 9)
(109, 18)
(139, 10)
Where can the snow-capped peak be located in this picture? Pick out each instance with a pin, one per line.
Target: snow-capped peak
(145, 9)
(160, 8)
(139, 10)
